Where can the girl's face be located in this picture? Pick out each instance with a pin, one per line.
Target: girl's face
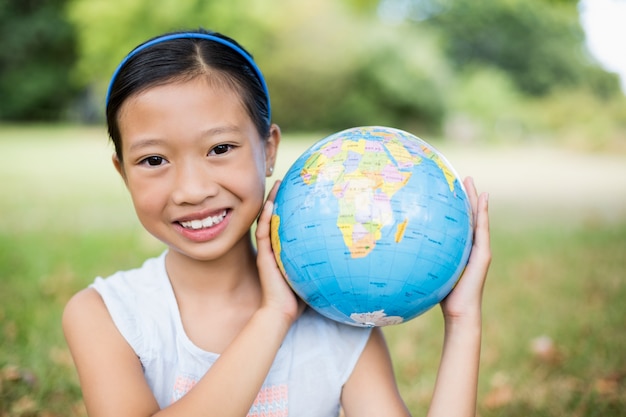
(195, 166)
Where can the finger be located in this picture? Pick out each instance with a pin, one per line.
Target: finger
(482, 220)
(472, 194)
(265, 217)
(481, 250)
(475, 274)
(272, 194)
(263, 223)
(270, 198)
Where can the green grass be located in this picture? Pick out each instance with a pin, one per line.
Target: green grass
(566, 286)
(66, 218)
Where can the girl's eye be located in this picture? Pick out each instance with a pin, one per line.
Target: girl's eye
(221, 149)
(153, 161)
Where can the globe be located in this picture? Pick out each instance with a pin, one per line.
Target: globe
(371, 226)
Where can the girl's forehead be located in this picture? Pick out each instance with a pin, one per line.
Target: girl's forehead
(182, 107)
(209, 84)
(198, 91)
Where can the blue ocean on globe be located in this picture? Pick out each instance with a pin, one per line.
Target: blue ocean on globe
(371, 226)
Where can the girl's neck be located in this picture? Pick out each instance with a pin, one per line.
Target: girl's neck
(222, 278)
(215, 298)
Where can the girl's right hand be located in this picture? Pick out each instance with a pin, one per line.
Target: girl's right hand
(277, 294)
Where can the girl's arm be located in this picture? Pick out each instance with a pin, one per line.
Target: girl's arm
(110, 373)
(371, 390)
(458, 371)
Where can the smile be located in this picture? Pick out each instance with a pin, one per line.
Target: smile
(204, 223)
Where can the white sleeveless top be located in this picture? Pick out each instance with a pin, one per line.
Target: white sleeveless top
(306, 378)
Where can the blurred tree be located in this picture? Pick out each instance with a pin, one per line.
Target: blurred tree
(108, 29)
(362, 6)
(329, 64)
(539, 44)
(37, 55)
(332, 69)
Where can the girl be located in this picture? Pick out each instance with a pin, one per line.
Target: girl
(210, 327)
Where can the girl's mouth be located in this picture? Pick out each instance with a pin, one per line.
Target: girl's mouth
(204, 223)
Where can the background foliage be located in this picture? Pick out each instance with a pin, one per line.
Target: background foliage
(462, 69)
(538, 44)
(37, 54)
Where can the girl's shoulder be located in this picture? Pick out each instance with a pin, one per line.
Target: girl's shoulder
(328, 339)
(135, 282)
(136, 300)
(92, 303)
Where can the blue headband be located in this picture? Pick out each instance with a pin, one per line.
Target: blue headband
(195, 35)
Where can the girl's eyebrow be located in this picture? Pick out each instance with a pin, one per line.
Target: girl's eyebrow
(144, 143)
(220, 130)
(216, 131)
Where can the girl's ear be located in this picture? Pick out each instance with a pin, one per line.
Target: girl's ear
(119, 166)
(271, 149)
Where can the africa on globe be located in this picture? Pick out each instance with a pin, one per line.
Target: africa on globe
(371, 226)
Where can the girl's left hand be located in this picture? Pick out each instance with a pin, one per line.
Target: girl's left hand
(465, 300)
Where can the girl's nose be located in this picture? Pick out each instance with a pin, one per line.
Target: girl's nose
(194, 183)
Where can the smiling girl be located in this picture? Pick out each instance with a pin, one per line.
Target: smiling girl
(210, 327)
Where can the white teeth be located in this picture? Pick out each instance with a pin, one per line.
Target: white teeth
(208, 222)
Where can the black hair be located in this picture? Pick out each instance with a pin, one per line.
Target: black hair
(184, 58)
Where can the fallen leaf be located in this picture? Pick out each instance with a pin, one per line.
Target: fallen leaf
(544, 349)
